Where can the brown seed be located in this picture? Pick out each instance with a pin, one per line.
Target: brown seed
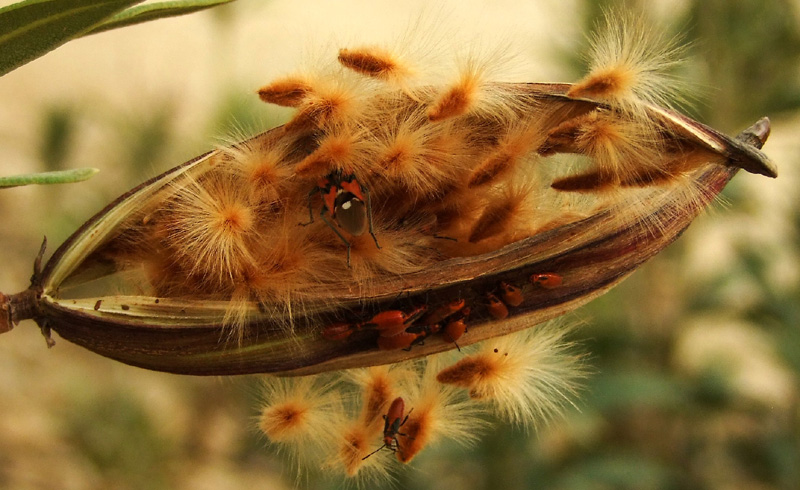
(287, 92)
(369, 61)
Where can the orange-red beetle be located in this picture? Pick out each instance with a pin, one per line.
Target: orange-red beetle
(392, 422)
(496, 308)
(456, 327)
(388, 323)
(405, 339)
(443, 312)
(512, 295)
(548, 280)
(392, 322)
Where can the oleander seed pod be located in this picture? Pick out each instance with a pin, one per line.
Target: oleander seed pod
(186, 332)
(365, 226)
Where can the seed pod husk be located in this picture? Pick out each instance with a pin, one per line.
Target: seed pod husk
(194, 319)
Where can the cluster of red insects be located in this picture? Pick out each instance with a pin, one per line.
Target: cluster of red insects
(398, 329)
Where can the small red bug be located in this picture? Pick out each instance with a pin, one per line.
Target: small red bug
(456, 327)
(512, 295)
(348, 204)
(443, 312)
(496, 307)
(547, 280)
(392, 422)
(405, 339)
(337, 331)
(388, 323)
(392, 322)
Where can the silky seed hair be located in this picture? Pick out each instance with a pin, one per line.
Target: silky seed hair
(447, 167)
(333, 422)
(630, 61)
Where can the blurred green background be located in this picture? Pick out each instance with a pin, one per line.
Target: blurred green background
(695, 358)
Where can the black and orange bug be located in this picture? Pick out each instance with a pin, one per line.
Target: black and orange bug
(443, 312)
(456, 326)
(388, 323)
(496, 308)
(405, 339)
(547, 280)
(512, 295)
(348, 204)
(392, 322)
(392, 422)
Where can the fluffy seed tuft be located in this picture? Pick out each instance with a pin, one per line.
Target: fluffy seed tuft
(436, 412)
(300, 416)
(630, 63)
(527, 377)
(211, 227)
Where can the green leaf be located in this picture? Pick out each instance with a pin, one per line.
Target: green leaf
(144, 13)
(32, 28)
(57, 177)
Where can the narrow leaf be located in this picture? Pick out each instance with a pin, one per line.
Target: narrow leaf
(145, 13)
(32, 28)
(57, 177)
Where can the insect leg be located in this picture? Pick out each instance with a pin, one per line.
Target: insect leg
(310, 210)
(369, 215)
(338, 233)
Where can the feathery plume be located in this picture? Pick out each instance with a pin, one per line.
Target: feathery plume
(436, 412)
(527, 377)
(630, 62)
(211, 226)
(301, 417)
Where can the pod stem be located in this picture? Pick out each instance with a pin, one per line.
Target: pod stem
(24, 305)
(18, 307)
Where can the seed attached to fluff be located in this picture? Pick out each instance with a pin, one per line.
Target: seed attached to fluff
(504, 215)
(378, 386)
(301, 416)
(353, 448)
(620, 147)
(325, 106)
(373, 62)
(508, 154)
(421, 157)
(586, 182)
(335, 151)
(376, 396)
(264, 171)
(353, 445)
(211, 226)
(527, 377)
(630, 63)
(287, 92)
(458, 99)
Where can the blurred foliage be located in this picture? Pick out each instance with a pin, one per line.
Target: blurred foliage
(154, 11)
(32, 28)
(58, 137)
(751, 50)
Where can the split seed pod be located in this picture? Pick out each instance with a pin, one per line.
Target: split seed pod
(529, 197)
